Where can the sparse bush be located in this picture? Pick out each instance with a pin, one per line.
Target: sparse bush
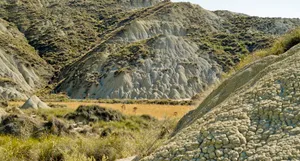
(94, 113)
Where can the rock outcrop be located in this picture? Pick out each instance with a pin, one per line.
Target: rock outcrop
(254, 115)
(34, 103)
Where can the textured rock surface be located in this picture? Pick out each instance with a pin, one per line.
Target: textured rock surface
(175, 72)
(21, 69)
(258, 119)
(35, 103)
(162, 53)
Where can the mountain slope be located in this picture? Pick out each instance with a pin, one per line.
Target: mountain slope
(252, 116)
(22, 71)
(63, 30)
(138, 48)
(171, 50)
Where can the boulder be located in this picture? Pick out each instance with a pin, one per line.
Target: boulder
(35, 103)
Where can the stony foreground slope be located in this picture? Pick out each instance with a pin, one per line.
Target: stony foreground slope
(252, 116)
(22, 71)
(170, 50)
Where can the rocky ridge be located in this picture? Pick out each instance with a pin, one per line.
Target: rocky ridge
(251, 116)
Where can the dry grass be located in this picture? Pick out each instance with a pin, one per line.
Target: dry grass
(157, 111)
(134, 136)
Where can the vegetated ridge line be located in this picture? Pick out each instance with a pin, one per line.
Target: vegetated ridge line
(110, 33)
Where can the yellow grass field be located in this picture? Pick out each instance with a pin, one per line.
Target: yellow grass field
(155, 110)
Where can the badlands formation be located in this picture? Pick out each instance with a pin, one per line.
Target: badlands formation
(138, 49)
(168, 51)
(253, 115)
(22, 70)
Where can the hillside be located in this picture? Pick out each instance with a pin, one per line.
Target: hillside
(22, 71)
(63, 30)
(251, 116)
(138, 48)
(171, 50)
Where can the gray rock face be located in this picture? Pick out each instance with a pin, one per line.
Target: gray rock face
(176, 72)
(178, 68)
(21, 69)
(254, 115)
(35, 103)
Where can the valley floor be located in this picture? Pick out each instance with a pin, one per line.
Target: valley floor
(155, 110)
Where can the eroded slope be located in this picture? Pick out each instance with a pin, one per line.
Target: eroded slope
(21, 69)
(257, 119)
(170, 50)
